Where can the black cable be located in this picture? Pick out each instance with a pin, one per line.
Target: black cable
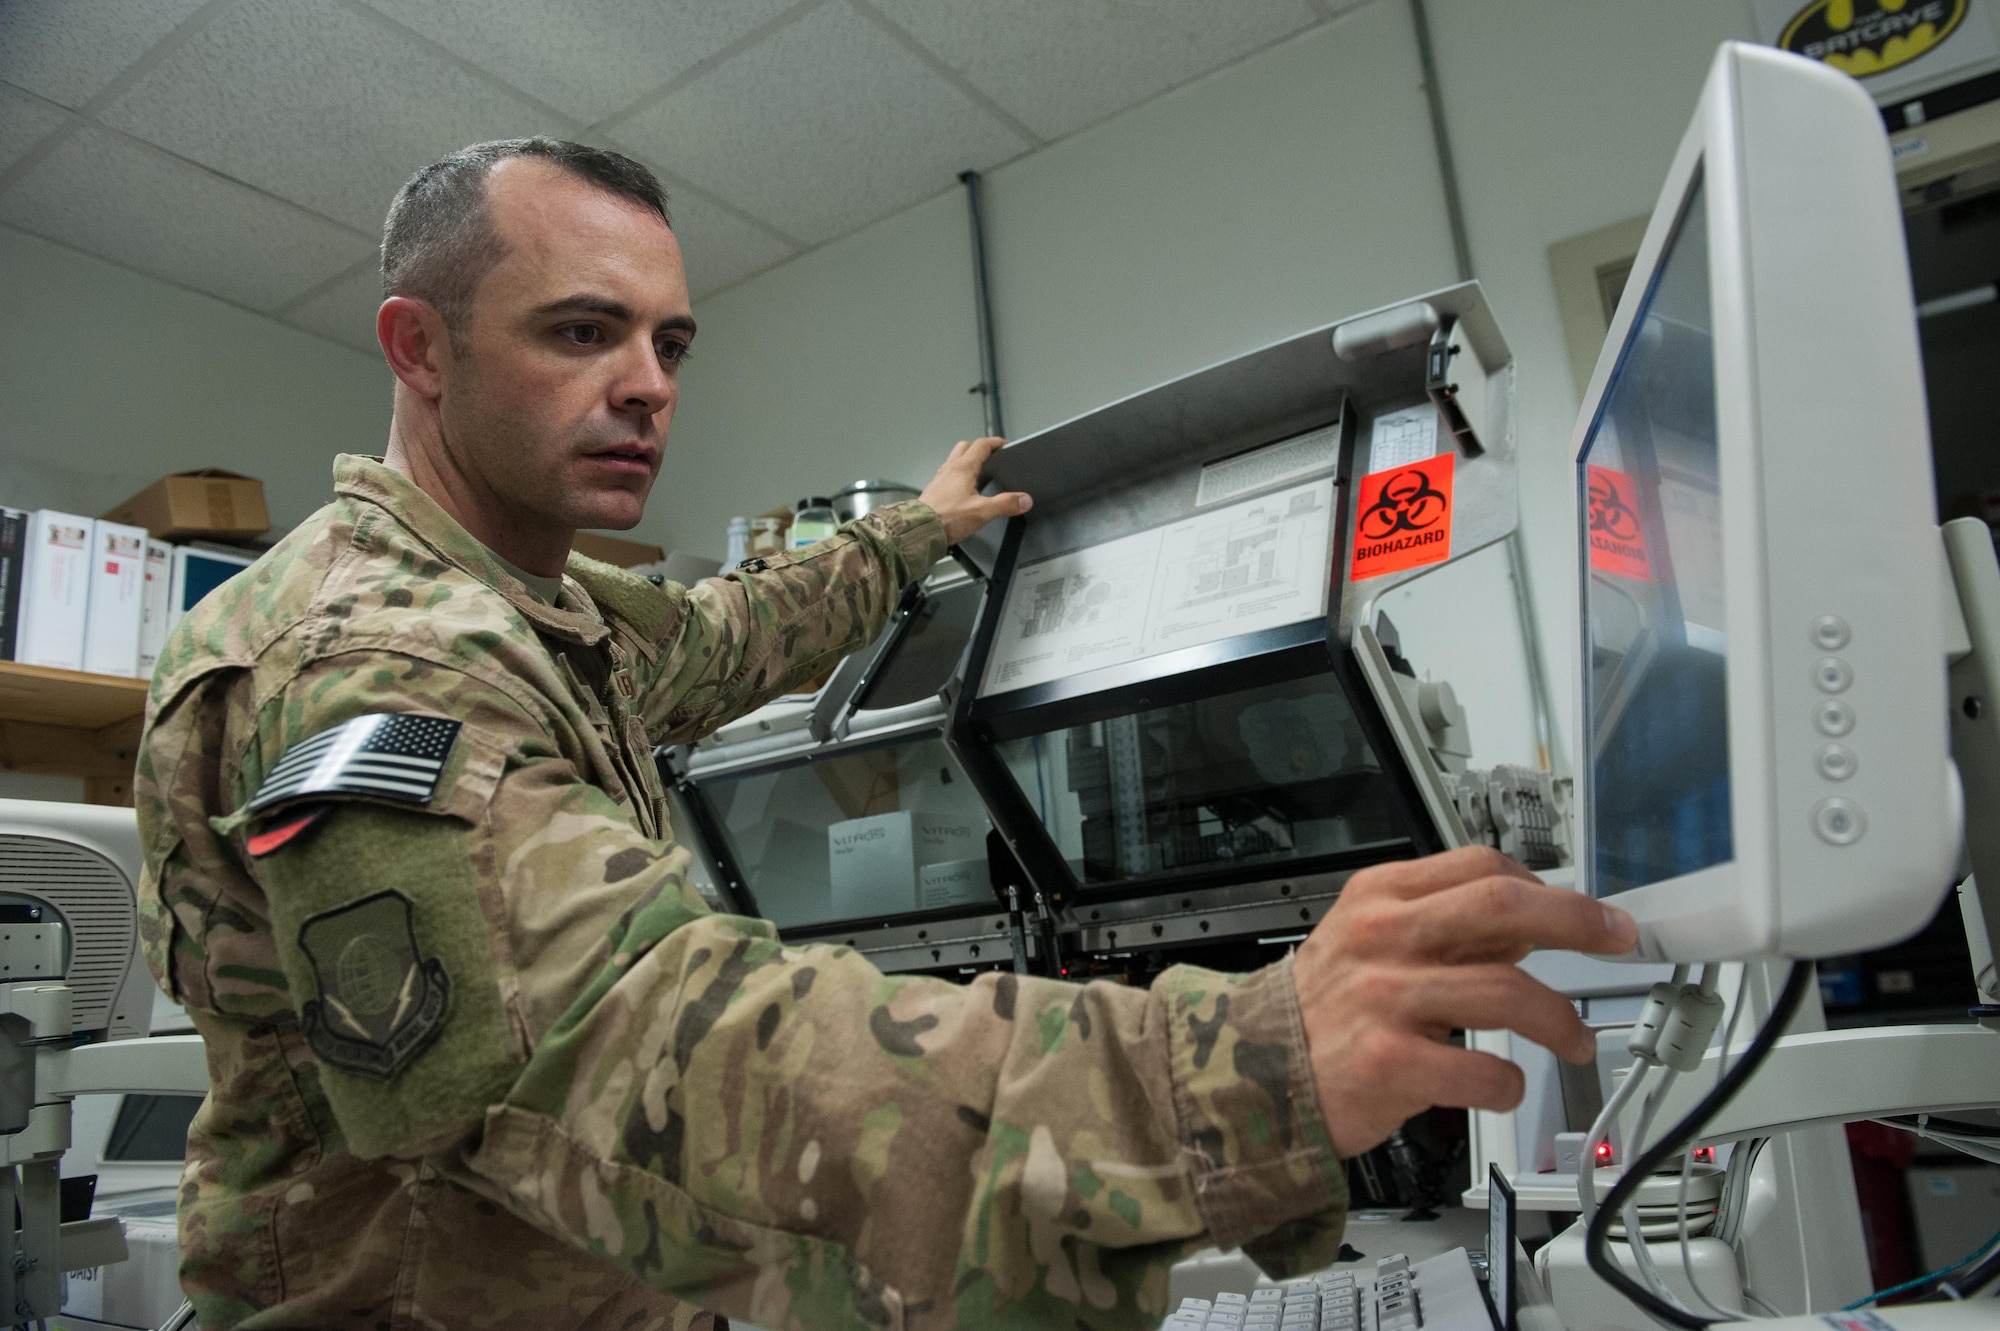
(1597, 1239)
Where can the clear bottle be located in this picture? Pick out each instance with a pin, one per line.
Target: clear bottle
(738, 543)
(814, 521)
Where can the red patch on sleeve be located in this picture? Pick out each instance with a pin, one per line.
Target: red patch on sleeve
(288, 828)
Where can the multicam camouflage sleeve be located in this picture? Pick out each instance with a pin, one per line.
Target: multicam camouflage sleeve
(510, 980)
(785, 1135)
(734, 643)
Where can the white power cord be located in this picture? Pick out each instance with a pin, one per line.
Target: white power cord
(1644, 1045)
(1586, 1168)
(1672, 1032)
(1687, 1159)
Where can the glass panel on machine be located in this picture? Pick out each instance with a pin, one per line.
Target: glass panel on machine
(874, 832)
(921, 662)
(1658, 706)
(1264, 776)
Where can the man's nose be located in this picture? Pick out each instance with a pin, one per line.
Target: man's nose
(643, 386)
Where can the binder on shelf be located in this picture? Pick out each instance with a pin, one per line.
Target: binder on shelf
(13, 551)
(55, 591)
(155, 616)
(117, 600)
(197, 572)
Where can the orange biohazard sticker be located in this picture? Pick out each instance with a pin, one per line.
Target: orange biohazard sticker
(1404, 518)
(1617, 538)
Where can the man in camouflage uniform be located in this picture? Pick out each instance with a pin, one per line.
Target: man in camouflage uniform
(481, 1058)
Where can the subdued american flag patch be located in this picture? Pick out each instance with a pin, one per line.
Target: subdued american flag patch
(391, 755)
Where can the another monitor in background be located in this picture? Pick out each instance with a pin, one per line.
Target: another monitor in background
(1765, 766)
(1500, 1238)
(197, 572)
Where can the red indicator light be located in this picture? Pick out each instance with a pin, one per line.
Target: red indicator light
(1604, 1153)
(1704, 1155)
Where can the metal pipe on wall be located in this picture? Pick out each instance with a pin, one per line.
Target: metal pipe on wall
(1461, 246)
(989, 366)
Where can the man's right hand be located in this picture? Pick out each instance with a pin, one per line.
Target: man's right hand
(953, 493)
(1417, 949)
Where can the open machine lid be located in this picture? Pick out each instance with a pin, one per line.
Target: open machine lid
(847, 810)
(1160, 693)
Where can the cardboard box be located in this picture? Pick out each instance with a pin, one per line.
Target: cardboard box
(874, 863)
(117, 599)
(55, 590)
(210, 502)
(614, 550)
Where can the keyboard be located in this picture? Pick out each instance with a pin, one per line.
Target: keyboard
(1438, 1294)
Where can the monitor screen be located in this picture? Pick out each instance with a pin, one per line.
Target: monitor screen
(1272, 776)
(1657, 746)
(1500, 1238)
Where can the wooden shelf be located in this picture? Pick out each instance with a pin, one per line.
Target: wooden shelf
(68, 697)
(67, 723)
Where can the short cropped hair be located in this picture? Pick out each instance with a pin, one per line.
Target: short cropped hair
(438, 239)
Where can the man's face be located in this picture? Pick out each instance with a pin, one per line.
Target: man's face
(558, 394)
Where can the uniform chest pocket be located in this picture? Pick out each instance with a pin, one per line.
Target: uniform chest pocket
(622, 761)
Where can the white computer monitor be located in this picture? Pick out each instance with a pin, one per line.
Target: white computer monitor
(1765, 765)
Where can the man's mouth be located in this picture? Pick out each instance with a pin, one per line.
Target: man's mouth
(625, 457)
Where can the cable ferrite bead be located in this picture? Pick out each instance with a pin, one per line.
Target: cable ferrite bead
(1690, 1026)
(1644, 1042)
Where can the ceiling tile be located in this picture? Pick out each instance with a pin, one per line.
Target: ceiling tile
(104, 194)
(719, 247)
(317, 104)
(24, 122)
(584, 57)
(1060, 66)
(823, 127)
(67, 50)
(345, 311)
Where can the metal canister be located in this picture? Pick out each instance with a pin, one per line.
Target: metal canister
(864, 497)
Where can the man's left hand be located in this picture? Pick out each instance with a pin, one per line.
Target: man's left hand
(953, 493)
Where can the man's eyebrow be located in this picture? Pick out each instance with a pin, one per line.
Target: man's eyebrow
(585, 303)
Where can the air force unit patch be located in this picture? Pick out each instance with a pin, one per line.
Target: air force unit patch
(380, 1001)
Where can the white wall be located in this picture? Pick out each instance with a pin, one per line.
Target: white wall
(1297, 187)
(109, 380)
(1292, 189)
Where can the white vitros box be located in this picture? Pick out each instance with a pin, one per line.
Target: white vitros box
(955, 883)
(874, 863)
(56, 591)
(117, 599)
(158, 612)
(872, 866)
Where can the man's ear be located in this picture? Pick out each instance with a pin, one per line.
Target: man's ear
(413, 337)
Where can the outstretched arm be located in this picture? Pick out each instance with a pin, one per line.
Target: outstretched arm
(728, 645)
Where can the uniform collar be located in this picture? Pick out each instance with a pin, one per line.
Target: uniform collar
(366, 479)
